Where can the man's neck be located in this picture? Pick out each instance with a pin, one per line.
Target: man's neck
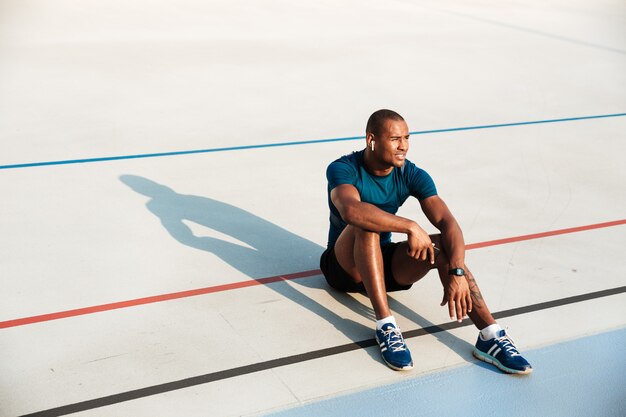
(374, 167)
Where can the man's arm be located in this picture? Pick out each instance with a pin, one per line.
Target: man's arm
(440, 216)
(456, 289)
(369, 217)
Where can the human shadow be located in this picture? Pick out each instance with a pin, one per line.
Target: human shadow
(263, 248)
(257, 247)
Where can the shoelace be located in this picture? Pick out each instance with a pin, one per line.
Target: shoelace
(508, 344)
(394, 339)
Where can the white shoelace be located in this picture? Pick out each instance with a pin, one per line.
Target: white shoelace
(395, 340)
(508, 344)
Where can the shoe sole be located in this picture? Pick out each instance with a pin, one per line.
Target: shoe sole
(394, 367)
(490, 359)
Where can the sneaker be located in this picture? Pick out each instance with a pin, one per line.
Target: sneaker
(501, 352)
(393, 349)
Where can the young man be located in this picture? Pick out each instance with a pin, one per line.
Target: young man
(365, 190)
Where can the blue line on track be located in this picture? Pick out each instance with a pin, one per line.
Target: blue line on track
(303, 142)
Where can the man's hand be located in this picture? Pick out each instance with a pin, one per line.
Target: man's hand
(456, 294)
(420, 245)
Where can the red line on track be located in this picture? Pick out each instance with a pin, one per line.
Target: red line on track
(545, 234)
(261, 281)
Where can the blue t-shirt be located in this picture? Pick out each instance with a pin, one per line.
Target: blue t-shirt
(387, 193)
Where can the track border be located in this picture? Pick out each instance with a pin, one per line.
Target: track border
(302, 357)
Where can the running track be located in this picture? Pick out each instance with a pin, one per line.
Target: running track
(261, 281)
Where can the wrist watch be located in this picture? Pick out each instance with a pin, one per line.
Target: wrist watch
(459, 272)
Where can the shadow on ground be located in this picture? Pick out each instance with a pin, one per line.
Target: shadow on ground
(259, 249)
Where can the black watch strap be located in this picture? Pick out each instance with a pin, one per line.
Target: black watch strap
(459, 272)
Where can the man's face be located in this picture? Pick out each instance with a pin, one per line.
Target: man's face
(392, 144)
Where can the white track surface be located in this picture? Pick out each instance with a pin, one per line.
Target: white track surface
(89, 79)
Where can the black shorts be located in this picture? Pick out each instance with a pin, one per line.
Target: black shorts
(340, 280)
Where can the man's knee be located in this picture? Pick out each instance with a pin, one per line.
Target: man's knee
(441, 256)
(366, 235)
(354, 238)
(436, 239)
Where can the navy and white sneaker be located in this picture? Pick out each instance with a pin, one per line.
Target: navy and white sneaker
(501, 352)
(393, 349)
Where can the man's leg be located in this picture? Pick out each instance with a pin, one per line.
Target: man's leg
(407, 270)
(493, 345)
(359, 253)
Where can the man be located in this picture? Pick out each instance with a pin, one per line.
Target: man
(365, 190)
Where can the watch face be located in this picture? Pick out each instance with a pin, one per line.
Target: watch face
(459, 272)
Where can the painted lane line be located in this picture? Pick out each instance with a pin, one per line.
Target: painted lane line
(154, 299)
(303, 357)
(263, 281)
(545, 234)
(294, 143)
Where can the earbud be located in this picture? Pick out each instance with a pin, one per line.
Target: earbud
(372, 145)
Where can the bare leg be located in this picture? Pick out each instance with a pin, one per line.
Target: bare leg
(407, 270)
(480, 314)
(359, 254)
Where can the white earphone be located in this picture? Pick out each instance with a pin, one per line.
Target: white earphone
(372, 145)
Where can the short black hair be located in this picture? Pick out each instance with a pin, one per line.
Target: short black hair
(377, 120)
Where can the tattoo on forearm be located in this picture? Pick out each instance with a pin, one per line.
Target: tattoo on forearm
(477, 297)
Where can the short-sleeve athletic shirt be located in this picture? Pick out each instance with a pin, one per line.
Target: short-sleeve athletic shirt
(387, 193)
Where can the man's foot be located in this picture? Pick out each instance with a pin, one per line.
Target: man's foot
(501, 352)
(393, 349)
